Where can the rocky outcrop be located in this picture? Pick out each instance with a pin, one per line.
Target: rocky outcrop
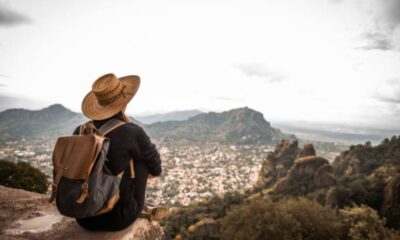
(278, 163)
(27, 215)
(364, 159)
(306, 175)
(307, 150)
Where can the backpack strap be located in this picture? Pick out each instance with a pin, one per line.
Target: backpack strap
(87, 126)
(110, 125)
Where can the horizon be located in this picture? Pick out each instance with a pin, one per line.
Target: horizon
(322, 126)
(329, 61)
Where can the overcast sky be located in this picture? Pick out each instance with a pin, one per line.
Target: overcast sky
(313, 60)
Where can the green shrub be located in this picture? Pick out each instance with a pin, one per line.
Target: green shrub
(22, 175)
(363, 223)
(215, 208)
(283, 220)
(359, 190)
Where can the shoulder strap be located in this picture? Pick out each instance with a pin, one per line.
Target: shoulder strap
(110, 125)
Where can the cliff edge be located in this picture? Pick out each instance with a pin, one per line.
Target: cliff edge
(28, 215)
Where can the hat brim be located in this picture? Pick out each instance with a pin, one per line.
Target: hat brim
(93, 110)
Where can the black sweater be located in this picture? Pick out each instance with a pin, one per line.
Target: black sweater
(127, 142)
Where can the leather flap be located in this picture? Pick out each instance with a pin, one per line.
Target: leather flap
(76, 155)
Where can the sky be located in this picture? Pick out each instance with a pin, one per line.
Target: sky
(332, 61)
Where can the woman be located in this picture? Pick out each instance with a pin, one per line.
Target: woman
(108, 99)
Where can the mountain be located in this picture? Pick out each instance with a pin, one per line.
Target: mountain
(54, 120)
(236, 126)
(241, 125)
(169, 116)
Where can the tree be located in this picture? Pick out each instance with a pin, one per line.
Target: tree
(22, 175)
(283, 220)
(363, 223)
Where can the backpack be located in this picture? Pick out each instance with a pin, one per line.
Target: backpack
(83, 186)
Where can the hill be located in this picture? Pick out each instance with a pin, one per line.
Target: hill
(54, 120)
(169, 116)
(241, 125)
(236, 126)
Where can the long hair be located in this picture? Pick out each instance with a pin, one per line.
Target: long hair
(122, 116)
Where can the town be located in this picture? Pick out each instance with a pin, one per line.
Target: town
(191, 172)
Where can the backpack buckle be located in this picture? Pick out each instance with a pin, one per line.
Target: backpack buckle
(85, 187)
(53, 192)
(85, 190)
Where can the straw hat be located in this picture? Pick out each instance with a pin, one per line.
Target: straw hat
(109, 95)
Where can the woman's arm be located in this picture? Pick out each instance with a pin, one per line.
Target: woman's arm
(149, 153)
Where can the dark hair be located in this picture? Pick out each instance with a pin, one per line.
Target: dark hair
(122, 116)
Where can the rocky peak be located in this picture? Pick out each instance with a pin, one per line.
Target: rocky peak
(307, 150)
(55, 108)
(306, 175)
(246, 113)
(281, 160)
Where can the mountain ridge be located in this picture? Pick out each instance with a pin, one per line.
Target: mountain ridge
(241, 125)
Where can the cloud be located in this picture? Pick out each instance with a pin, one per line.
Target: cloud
(10, 18)
(227, 98)
(3, 85)
(389, 91)
(335, 1)
(385, 31)
(4, 76)
(258, 70)
(376, 41)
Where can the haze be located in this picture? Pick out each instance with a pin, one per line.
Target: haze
(310, 60)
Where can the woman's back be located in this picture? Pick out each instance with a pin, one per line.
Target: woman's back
(127, 142)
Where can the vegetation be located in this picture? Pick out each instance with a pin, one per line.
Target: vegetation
(22, 175)
(364, 223)
(360, 189)
(183, 220)
(237, 126)
(355, 198)
(286, 219)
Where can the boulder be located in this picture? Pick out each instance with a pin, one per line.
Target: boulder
(205, 228)
(306, 175)
(288, 158)
(306, 151)
(28, 215)
(277, 163)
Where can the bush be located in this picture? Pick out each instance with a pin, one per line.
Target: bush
(360, 190)
(214, 208)
(22, 175)
(287, 219)
(363, 223)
